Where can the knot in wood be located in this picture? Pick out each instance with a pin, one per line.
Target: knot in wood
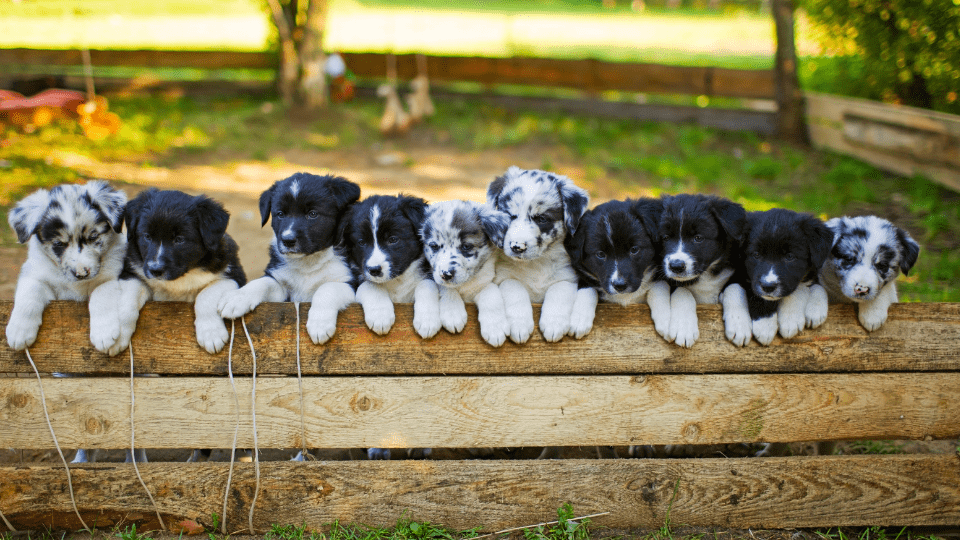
(361, 403)
(691, 432)
(93, 425)
(639, 379)
(19, 400)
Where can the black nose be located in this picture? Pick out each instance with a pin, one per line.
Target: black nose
(81, 274)
(289, 243)
(447, 275)
(154, 268)
(768, 287)
(619, 285)
(375, 271)
(677, 266)
(517, 248)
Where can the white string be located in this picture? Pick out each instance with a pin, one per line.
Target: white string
(253, 414)
(7, 523)
(43, 401)
(133, 451)
(303, 425)
(233, 449)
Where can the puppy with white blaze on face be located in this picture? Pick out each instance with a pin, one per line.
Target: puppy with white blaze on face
(459, 240)
(868, 254)
(75, 246)
(381, 236)
(177, 250)
(775, 281)
(615, 252)
(306, 264)
(533, 264)
(699, 236)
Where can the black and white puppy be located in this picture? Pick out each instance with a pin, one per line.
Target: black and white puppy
(781, 254)
(533, 264)
(74, 247)
(868, 254)
(699, 237)
(177, 250)
(305, 264)
(381, 235)
(460, 239)
(615, 252)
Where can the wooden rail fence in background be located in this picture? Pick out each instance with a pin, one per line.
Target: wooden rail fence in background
(620, 385)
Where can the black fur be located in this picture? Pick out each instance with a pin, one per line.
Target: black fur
(398, 229)
(710, 228)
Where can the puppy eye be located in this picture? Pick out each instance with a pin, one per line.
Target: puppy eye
(664, 237)
(698, 238)
(393, 240)
(145, 236)
(634, 250)
(313, 214)
(790, 257)
(93, 237)
(540, 219)
(434, 246)
(755, 255)
(179, 240)
(361, 242)
(279, 214)
(601, 255)
(882, 268)
(59, 244)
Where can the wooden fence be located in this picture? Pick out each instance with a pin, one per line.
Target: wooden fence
(621, 385)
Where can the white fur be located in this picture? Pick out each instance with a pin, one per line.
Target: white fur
(873, 314)
(736, 315)
(115, 308)
(426, 309)
(492, 315)
(684, 330)
(791, 311)
(453, 312)
(764, 330)
(556, 310)
(328, 300)
(537, 276)
(817, 306)
(583, 313)
(516, 300)
(682, 256)
(655, 294)
(377, 299)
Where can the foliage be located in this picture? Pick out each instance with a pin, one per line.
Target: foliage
(874, 447)
(909, 49)
(566, 527)
(130, 533)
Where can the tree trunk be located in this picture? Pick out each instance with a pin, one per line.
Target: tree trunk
(289, 70)
(790, 122)
(313, 83)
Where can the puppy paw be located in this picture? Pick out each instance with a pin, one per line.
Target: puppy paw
(661, 323)
(426, 324)
(817, 307)
(212, 335)
(379, 317)
(321, 325)
(22, 332)
(581, 323)
(791, 322)
(81, 456)
(521, 329)
(554, 325)
(453, 317)
(493, 329)
(765, 329)
(737, 327)
(104, 331)
(871, 316)
(378, 453)
(236, 304)
(684, 332)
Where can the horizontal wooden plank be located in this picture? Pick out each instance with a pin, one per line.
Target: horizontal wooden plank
(456, 412)
(741, 493)
(917, 337)
(588, 75)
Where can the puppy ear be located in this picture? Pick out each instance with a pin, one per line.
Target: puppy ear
(495, 189)
(819, 239)
(649, 212)
(494, 222)
(575, 242)
(108, 200)
(732, 218)
(343, 191)
(414, 209)
(575, 200)
(266, 203)
(909, 250)
(25, 216)
(132, 212)
(212, 219)
(838, 226)
(344, 225)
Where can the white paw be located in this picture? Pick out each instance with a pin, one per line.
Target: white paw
(791, 321)
(684, 331)
(22, 331)
(554, 324)
(493, 329)
(378, 453)
(765, 329)
(521, 328)
(817, 307)
(581, 322)
(118, 344)
(661, 323)
(81, 456)
(379, 316)
(299, 457)
(737, 327)
(104, 331)
(236, 304)
(426, 322)
(453, 316)
(212, 334)
(321, 324)
(872, 317)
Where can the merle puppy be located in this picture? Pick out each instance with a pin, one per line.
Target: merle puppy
(381, 235)
(867, 256)
(177, 250)
(533, 266)
(615, 253)
(305, 264)
(699, 236)
(781, 254)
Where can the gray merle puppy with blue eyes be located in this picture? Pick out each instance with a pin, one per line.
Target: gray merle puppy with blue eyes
(381, 236)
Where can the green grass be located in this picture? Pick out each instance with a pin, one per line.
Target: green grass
(130, 533)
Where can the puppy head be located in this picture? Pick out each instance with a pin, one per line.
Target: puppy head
(782, 249)
(457, 239)
(614, 245)
(382, 235)
(543, 208)
(869, 252)
(170, 232)
(305, 210)
(74, 224)
(697, 230)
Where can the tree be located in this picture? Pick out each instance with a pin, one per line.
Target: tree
(300, 25)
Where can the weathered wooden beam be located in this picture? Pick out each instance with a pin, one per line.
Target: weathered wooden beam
(453, 411)
(741, 493)
(917, 337)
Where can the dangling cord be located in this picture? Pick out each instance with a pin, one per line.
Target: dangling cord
(7, 523)
(233, 449)
(43, 401)
(303, 425)
(253, 414)
(133, 451)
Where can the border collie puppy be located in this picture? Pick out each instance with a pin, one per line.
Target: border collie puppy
(305, 263)
(699, 235)
(177, 250)
(781, 254)
(533, 265)
(615, 253)
(867, 256)
(381, 236)
(459, 240)
(74, 246)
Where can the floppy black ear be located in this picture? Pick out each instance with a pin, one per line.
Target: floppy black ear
(343, 191)
(212, 220)
(344, 226)
(496, 187)
(909, 249)
(108, 200)
(414, 209)
(494, 222)
(575, 200)
(732, 218)
(575, 242)
(649, 212)
(25, 216)
(266, 203)
(819, 238)
(132, 212)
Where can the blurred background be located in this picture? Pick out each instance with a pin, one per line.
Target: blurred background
(826, 106)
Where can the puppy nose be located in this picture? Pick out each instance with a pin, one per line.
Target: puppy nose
(619, 285)
(677, 266)
(861, 289)
(769, 287)
(154, 268)
(518, 248)
(375, 271)
(447, 275)
(289, 243)
(81, 273)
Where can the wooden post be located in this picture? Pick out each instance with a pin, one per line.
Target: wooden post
(790, 123)
(313, 82)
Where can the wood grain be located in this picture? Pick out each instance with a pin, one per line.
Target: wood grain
(917, 337)
(741, 493)
(454, 411)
